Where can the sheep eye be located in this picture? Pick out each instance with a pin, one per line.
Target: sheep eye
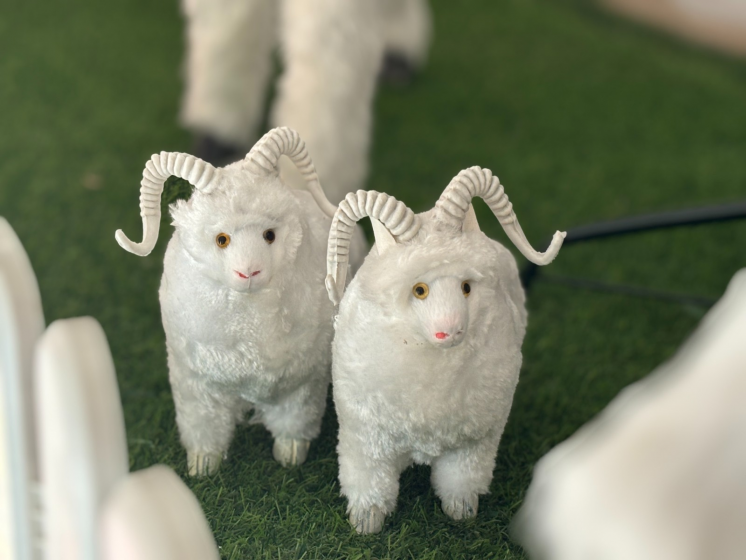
(223, 240)
(420, 290)
(466, 288)
(269, 235)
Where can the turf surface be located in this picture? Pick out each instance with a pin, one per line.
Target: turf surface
(583, 116)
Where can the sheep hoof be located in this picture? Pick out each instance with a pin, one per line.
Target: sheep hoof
(290, 452)
(461, 508)
(203, 464)
(397, 70)
(367, 521)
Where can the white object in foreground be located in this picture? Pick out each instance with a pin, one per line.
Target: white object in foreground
(427, 348)
(21, 324)
(661, 473)
(152, 515)
(247, 319)
(81, 439)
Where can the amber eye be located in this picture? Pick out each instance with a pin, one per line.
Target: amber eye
(223, 240)
(269, 235)
(420, 290)
(466, 288)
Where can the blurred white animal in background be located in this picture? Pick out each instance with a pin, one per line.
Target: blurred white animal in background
(247, 320)
(427, 348)
(331, 54)
(74, 499)
(660, 474)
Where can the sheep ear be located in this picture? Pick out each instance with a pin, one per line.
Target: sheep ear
(470, 220)
(384, 239)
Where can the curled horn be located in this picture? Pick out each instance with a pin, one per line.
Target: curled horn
(454, 202)
(159, 168)
(264, 157)
(393, 214)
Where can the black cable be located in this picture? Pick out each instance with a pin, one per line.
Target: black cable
(637, 291)
(636, 224)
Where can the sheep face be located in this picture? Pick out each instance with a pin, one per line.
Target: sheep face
(432, 286)
(242, 235)
(441, 310)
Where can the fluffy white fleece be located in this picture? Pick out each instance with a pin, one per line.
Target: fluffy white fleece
(331, 52)
(403, 394)
(233, 342)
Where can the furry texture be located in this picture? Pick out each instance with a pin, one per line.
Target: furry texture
(331, 51)
(260, 341)
(427, 380)
(247, 321)
(228, 66)
(407, 28)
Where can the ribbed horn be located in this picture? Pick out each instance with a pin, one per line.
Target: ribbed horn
(159, 168)
(454, 202)
(264, 157)
(398, 219)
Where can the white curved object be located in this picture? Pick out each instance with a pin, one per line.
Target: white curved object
(427, 348)
(152, 515)
(660, 474)
(21, 324)
(82, 442)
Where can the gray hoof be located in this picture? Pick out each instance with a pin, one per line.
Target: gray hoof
(461, 508)
(290, 452)
(367, 521)
(203, 464)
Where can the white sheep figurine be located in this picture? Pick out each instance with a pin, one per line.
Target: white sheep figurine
(427, 347)
(247, 320)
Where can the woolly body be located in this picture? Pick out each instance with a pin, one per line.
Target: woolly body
(332, 52)
(263, 341)
(402, 396)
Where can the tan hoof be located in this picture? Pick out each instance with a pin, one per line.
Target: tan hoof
(203, 464)
(290, 452)
(367, 521)
(461, 508)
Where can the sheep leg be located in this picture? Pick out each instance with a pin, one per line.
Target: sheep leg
(205, 420)
(407, 28)
(370, 484)
(294, 421)
(228, 66)
(461, 475)
(332, 51)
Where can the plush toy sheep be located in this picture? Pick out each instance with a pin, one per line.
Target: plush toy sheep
(427, 347)
(247, 320)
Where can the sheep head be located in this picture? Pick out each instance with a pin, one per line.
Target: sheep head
(433, 268)
(242, 224)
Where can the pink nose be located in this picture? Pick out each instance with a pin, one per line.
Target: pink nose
(240, 275)
(255, 273)
(441, 335)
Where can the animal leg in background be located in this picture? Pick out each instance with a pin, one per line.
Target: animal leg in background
(294, 421)
(407, 32)
(228, 66)
(461, 475)
(205, 422)
(332, 52)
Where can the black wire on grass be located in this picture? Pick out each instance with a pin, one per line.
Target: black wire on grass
(636, 224)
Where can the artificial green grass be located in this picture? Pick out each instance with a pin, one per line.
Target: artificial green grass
(583, 116)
